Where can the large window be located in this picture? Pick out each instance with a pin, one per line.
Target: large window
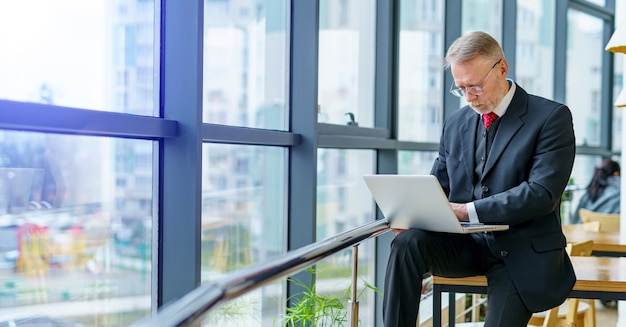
(535, 47)
(95, 55)
(584, 92)
(582, 173)
(415, 162)
(77, 212)
(343, 203)
(76, 219)
(420, 100)
(243, 216)
(483, 15)
(583, 84)
(618, 80)
(346, 61)
(617, 112)
(245, 64)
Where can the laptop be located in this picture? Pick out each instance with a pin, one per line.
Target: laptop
(418, 201)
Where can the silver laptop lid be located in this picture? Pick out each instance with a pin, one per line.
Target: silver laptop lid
(417, 201)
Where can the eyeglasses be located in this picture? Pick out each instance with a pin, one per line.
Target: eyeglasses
(474, 89)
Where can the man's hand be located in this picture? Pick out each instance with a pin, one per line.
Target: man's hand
(460, 210)
(397, 231)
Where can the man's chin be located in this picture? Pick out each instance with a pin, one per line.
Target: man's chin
(482, 108)
(478, 107)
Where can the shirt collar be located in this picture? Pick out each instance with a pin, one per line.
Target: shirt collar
(500, 109)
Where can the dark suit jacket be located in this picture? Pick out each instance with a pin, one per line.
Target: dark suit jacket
(527, 169)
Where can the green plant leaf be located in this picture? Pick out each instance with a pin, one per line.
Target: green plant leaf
(320, 310)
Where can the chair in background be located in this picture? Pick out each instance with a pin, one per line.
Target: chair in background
(592, 226)
(608, 221)
(580, 249)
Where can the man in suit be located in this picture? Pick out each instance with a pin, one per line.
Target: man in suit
(511, 170)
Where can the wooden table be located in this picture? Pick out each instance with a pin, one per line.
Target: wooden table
(597, 278)
(604, 243)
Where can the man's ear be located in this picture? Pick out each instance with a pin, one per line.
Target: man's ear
(504, 67)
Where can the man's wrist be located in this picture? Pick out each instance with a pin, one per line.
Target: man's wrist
(471, 212)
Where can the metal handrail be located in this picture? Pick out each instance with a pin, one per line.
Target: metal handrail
(191, 308)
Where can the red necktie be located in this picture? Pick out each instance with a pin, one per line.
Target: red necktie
(489, 118)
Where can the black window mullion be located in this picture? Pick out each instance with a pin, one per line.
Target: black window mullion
(302, 187)
(180, 159)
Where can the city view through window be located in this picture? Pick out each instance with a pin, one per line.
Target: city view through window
(78, 213)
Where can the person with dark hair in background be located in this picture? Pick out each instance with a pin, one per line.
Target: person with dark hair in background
(603, 192)
(505, 158)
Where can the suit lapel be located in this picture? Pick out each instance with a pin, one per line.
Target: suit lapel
(509, 125)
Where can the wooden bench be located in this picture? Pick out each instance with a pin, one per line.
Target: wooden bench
(597, 278)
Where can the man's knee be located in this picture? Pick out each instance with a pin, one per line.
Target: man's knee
(407, 250)
(416, 240)
(408, 238)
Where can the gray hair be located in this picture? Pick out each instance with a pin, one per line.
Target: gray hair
(471, 45)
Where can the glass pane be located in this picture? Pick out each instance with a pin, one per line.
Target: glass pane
(243, 215)
(584, 62)
(582, 173)
(598, 2)
(535, 47)
(618, 86)
(343, 203)
(333, 281)
(255, 308)
(415, 162)
(245, 63)
(420, 100)
(483, 15)
(346, 61)
(76, 216)
(89, 54)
